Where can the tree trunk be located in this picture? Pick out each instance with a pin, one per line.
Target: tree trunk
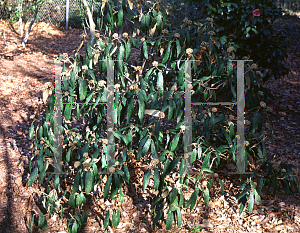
(24, 41)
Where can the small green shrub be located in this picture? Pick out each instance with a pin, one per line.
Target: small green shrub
(153, 81)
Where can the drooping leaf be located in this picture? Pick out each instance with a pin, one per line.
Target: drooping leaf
(146, 179)
(169, 221)
(82, 88)
(89, 182)
(167, 53)
(33, 176)
(115, 218)
(107, 187)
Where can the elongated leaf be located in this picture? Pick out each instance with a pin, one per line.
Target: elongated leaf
(82, 88)
(33, 176)
(76, 183)
(146, 179)
(107, 187)
(145, 50)
(178, 47)
(115, 218)
(120, 58)
(128, 50)
(159, 21)
(156, 179)
(106, 220)
(179, 217)
(251, 202)
(68, 111)
(206, 196)
(141, 109)
(31, 131)
(89, 182)
(169, 221)
(167, 53)
(173, 195)
(130, 110)
(143, 23)
(56, 181)
(175, 142)
(160, 80)
(42, 222)
(120, 18)
(71, 201)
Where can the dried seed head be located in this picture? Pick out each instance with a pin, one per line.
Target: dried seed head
(132, 127)
(65, 56)
(247, 143)
(182, 127)
(176, 35)
(97, 35)
(165, 31)
(117, 86)
(85, 67)
(174, 88)
(154, 162)
(230, 49)
(142, 39)
(48, 85)
(211, 33)
(115, 36)
(189, 51)
(214, 109)
(203, 43)
(263, 104)
(67, 93)
(111, 169)
(161, 115)
(117, 163)
(101, 83)
(155, 63)
(125, 35)
(254, 66)
(138, 68)
(208, 19)
(185, 20)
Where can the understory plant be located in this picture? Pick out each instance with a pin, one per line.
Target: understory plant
(149, 124)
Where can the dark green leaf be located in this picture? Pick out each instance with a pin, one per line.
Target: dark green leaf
(89, 182)
(115, 218)
(107, 187)
(33, 176)
(146, 179)
(206, 196)
(169, 221)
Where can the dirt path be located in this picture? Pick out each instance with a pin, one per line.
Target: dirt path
(23, 74)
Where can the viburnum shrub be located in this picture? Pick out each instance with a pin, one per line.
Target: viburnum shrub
(249, 24)
(149, 106)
